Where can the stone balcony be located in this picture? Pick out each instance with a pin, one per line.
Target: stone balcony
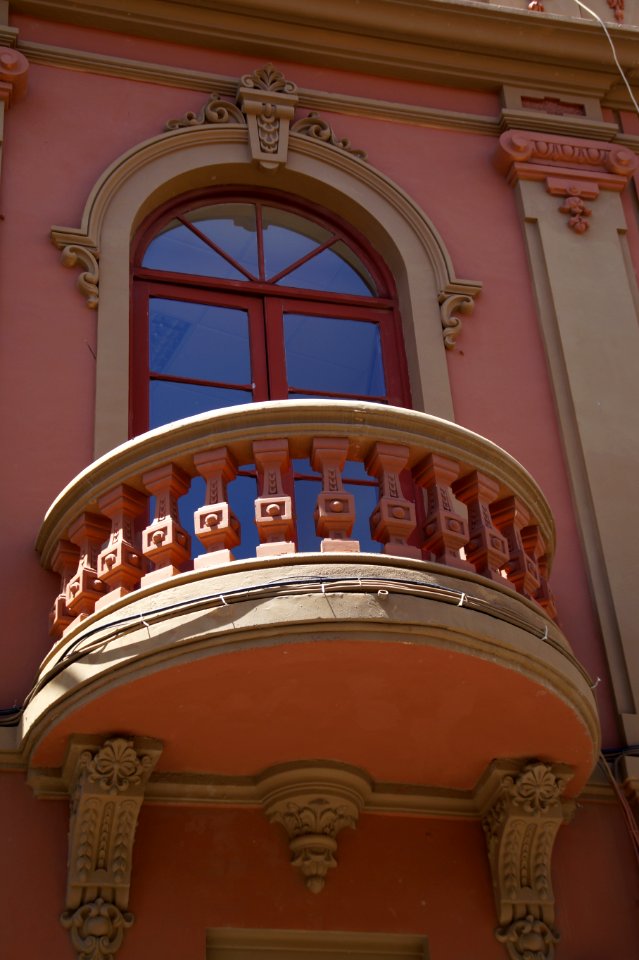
(419, 649)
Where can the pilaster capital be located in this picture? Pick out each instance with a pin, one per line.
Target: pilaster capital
(14, 69)
(528, 155)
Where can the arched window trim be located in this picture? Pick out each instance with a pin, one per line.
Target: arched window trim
(173, 163)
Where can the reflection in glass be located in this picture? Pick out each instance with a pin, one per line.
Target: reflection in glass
(333, 355)
(199, 341)
(232, 227)
(178, 250)
(170, 401)
(336, 269)
(287, 238)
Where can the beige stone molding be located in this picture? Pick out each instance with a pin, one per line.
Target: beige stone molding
(210, 789)
(266, 103)
(313, 802)
(498, 45)
(251, 944)
(181, 160)
(522, 812)
(87, 283)
(106, 780)
(451, 304)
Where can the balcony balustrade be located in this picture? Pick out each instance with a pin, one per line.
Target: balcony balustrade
(481, 511)
(394, 613)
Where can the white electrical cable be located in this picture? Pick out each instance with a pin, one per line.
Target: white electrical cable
(614, 52)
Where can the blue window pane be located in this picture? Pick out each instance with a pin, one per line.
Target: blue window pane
(335, 269)
(333, 355)
(242, 493)
(179, 250)
(232, 227)
(287, 238)
(172, 401)
(199, 341)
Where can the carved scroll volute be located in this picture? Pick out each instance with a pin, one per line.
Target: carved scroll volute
(313, 804)
(273, 508)
(120, 563)
(216, 526)
(268, 101)
(393, 519)
(165, 542)
(487, 550)
(65, 562)
(510, 516)
(89, 533)
(335, 510)
(445, 530)
(522, 810)
(106, 782)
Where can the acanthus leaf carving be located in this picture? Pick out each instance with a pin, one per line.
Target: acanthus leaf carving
(87, 283)
(216, 111)
(106, 781)
(315, 128)
(522, 813)
(313, 803)
(268, 101)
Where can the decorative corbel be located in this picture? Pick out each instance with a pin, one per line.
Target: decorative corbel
(450, 305)
(106, 781)
(87, 283)
(522, 809)
(314, 802)
(268, 101)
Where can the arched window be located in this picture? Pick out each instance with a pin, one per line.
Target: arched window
(241, 297)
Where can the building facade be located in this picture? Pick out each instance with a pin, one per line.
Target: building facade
(319, 390)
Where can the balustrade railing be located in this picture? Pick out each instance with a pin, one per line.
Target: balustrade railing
(473, 508)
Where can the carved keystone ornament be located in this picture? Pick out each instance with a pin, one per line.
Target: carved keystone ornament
(314, 802)
(106, 782)
(522, 811)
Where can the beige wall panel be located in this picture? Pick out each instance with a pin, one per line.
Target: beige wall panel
(588, 315)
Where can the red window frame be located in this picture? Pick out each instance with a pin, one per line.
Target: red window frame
(265, 304)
